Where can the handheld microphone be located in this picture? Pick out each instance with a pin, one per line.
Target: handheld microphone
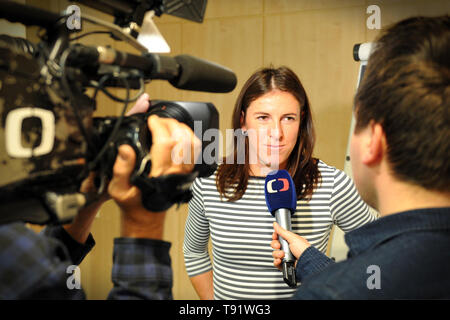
(281, 199)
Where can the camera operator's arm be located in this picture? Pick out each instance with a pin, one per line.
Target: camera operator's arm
(76, 236)
(80, 227)
(141, 258)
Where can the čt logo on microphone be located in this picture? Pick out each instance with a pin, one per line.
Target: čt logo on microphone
(271, 189)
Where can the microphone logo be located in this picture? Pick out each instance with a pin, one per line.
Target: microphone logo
(285, 186)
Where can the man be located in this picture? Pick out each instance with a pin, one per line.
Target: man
(34, 266)
(400, 153)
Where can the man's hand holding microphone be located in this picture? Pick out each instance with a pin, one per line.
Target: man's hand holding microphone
(297, 244)
(281, 200)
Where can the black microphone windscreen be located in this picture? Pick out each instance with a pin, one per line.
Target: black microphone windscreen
(201, 75)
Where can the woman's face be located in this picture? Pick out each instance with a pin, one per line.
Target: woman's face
(272, 123)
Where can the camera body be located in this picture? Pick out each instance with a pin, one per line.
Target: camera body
(199, 116)
(42, 148)
(40, 141)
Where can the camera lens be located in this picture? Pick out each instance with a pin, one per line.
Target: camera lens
(172, 110)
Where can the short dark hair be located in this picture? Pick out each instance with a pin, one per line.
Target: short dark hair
(406, 89)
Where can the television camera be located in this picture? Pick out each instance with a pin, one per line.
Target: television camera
(49, 138)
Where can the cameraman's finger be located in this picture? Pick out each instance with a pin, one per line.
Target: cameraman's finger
(189, 145)
(160, 129)
(162, 144)
(88, 186)
(123, 167)
(142, 104)
(174, 146)
(185, 150)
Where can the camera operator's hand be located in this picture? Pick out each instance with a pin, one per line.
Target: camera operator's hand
(80, 228)
(142, 104)
(166, 133)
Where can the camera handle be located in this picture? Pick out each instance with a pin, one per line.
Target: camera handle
(160, 193)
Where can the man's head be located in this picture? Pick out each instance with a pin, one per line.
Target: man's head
(404, 102)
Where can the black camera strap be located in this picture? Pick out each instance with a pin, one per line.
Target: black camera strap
(160, 193)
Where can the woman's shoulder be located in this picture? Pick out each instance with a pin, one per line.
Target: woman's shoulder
(326, 168)
(331, 172)
(204, 181)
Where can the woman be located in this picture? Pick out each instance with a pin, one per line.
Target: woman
(273, 113)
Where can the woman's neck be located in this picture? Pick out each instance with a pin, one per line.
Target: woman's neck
(259, 170)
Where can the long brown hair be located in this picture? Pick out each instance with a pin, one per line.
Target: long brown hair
(232, 178)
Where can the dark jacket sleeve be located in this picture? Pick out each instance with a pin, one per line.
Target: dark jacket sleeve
(76, 250)
(34, 266)
(141, 270)
(312, 261)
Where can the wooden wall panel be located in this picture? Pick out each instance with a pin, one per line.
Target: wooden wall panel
(286, 6)
(317, 45)
(174, 233)
(233, 8)
(96, 267)
(393, 11)
(172, 33)
(232, 42)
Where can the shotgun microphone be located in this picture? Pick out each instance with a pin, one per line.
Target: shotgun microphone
(182, 71)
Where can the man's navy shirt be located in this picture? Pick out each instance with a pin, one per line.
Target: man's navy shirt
(400, 256)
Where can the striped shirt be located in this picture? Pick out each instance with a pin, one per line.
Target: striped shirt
(241, 232)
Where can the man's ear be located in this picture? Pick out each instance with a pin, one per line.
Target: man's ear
(375, 144)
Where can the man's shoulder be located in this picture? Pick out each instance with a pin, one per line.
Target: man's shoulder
(29, 261)
(411, 265)
(21, 244)
(18, 235)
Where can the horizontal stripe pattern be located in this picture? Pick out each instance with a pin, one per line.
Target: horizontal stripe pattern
(241, 232)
